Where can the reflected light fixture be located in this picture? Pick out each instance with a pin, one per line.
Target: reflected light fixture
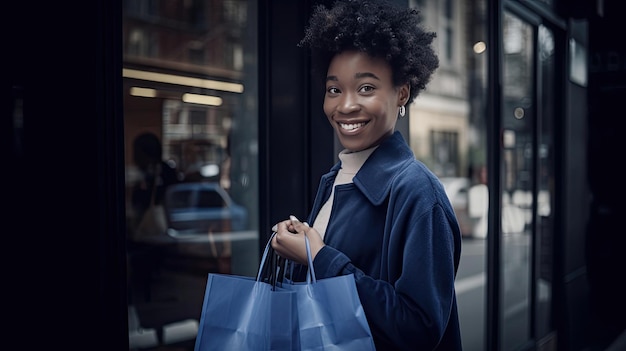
(480, 47)
(143, 92)
(182, 80)
(202, 99)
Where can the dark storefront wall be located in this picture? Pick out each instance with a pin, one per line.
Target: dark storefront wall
(63, 254)
(605, 234)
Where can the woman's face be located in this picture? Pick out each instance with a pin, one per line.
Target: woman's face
(361, 102)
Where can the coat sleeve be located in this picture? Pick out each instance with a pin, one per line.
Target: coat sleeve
(411, 307)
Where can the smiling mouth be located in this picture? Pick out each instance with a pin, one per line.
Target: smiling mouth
(351, 126)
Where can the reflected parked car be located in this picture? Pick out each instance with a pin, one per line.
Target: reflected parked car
(202, 207)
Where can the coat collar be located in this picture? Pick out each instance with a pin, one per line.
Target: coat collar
(374, 179)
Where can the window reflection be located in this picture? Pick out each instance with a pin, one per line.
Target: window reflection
(518, 120)
(191, 164)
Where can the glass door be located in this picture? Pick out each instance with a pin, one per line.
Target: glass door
(518, 119)
(544, 195)
(527, 183)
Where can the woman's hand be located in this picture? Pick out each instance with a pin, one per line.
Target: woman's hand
(289, 240)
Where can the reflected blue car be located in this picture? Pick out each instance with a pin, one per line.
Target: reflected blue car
(201, 208)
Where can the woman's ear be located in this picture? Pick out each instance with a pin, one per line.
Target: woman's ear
(404, 92)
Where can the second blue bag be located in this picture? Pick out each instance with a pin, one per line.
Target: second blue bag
(330, 314)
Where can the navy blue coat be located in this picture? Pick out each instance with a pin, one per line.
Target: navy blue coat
(395, 229)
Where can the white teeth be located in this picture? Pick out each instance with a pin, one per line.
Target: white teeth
(351, 126)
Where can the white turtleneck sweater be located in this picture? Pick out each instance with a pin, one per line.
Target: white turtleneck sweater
(351, 162)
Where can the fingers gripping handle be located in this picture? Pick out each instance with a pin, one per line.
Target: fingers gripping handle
(310, 277)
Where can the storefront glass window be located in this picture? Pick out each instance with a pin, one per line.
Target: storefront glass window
(190, 128)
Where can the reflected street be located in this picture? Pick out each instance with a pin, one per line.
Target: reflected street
(471, 291)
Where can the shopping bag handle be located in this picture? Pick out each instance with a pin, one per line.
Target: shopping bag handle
(268, 269)
(272, 266)
(310, 274)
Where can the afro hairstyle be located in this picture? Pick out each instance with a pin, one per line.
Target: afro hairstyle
(379, 28)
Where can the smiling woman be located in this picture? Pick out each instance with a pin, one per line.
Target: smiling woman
(379, 214)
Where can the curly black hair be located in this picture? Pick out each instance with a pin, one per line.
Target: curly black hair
(378, 28)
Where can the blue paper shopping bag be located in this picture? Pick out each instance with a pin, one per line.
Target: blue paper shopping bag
(243, 313)
(330, 314)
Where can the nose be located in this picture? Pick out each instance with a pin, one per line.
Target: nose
(349, 103)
